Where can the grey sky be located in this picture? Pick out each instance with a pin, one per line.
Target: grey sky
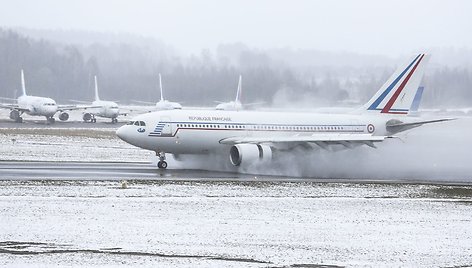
(366, 26)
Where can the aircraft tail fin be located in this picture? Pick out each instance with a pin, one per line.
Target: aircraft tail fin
(97, 98)
(238, 93)
(23, 86)
(160, 87)
(397, 95)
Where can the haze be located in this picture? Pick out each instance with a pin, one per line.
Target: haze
(375, 27)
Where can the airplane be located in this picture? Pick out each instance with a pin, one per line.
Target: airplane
(36, 106)
(106, 109)
(254, 137)
(235, 105)
(163, 104)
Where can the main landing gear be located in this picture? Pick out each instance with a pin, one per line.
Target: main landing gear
(114, 120)
(162, 164)
(50, 120)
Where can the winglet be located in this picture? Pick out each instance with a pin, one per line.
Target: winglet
(160, 86)
(23, 87)
(96, 88)
(238, 93)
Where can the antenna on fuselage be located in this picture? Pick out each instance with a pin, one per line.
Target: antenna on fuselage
(23, 87)
(96, 88)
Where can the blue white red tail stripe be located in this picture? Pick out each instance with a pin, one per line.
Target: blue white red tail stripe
(392, 100)
(384, 94)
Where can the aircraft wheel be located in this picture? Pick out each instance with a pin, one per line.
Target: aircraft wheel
(51, 120)
(162, 164)
(19, 119)
(94, 120)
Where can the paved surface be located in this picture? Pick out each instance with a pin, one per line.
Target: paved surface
(26, 170)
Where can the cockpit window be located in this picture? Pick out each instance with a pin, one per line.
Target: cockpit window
(49, 104)
(137, 123)
(114, 107)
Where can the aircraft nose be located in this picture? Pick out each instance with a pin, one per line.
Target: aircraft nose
(122, 133)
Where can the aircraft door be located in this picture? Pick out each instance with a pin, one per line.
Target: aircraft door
(167, 128)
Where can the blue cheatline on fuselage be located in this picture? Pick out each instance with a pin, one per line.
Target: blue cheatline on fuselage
(347, 128)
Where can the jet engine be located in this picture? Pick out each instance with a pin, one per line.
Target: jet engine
(87, 117)
(15, 115)
(64, 116)
(249, 153)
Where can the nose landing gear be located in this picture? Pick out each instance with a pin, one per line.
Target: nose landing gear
(162, 164)
(50, 120)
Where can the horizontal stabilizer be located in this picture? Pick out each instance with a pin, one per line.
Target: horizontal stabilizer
(395, 126)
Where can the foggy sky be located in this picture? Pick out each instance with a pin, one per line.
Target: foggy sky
(363, 26)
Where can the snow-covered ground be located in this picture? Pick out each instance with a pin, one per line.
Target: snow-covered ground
(230, 224)
(68, 144)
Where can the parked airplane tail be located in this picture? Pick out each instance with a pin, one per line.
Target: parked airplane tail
(397, 95)
(23, 87)
(96, 88)
(238, 93)
(160, 87)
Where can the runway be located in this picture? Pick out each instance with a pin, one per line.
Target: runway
(48, 170)
(11, 170)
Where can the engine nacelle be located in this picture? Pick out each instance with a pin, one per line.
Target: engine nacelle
(87, 117)
(14, 114)
(64, 116)
(249, 153)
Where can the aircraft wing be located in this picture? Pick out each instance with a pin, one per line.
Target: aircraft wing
(13, 107)
(144, 102)
(322, 140)
(75, 107)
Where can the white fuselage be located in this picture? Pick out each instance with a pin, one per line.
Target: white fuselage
(230, 106)
(200, 131)
(107, 109)
(167, 105)
(38, 106)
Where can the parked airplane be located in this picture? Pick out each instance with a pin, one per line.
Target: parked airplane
(36, 106)
(106, 109)
(235, 105)
(255, 136)
(163, 104)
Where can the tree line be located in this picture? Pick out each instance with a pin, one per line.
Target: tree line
(129, 72)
